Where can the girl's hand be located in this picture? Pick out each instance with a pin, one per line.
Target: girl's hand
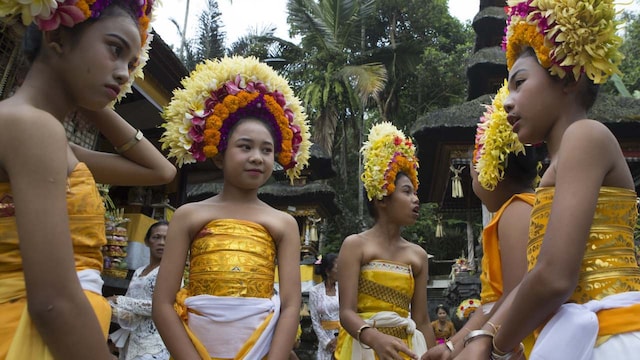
(388, 347)
(477, 349)
(439, 352)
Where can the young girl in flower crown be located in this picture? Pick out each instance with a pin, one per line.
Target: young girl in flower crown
(583, 286)
(239, 112)
(504, 174)
(383, 277)
(84, 55)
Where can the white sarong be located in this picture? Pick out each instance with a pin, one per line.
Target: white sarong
(572, 332)
(391, 319)
(223, 324)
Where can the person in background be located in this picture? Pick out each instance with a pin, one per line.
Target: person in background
(242, 114)
(83, 56)
(325, 307)
(138, 338)
(383, 277)
(443, 328)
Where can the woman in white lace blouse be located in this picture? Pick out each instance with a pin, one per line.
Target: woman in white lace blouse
(138, 338)
(324, 306)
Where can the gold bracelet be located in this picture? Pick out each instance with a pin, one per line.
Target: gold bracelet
(497, 351)
(134, 140)
(365, 326)
(494, 327)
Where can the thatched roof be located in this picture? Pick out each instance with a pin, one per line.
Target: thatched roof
(444, 133)
(607, 109)
(280, 195)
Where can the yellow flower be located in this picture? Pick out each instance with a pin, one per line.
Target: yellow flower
(386, 153)
(578, 36)
(495, 141)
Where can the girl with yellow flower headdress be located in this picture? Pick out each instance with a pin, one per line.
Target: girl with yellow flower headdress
(583, 285)
(242, 114)
(83, 55)
(504, 173)
(383, 277)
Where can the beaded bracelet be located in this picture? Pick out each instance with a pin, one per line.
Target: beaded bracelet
(476, 333)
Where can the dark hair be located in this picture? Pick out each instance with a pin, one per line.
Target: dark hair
(250, 118)
(32, 39)
(371, 208)
(523, 167)
(326, 264)
(587, 89)
(443, 308)
(155, 225)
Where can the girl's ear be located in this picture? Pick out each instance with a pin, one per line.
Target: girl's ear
(218, 160)
(53, 40)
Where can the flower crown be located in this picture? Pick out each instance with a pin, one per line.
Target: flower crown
(219, 93)
(568, 36)
(495, 139)
(386, 153)
(466, 307)
(49, 15)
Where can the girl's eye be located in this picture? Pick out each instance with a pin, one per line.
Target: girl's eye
(518, 82)
(267, 150)
(116, 50)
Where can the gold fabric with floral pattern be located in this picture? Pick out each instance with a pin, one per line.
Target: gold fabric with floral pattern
(86, 222)
(609, 265)
(232, 258)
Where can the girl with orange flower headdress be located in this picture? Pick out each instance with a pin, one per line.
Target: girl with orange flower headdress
(84, 55)
(242, 114)
(383, 277)
(582, 289)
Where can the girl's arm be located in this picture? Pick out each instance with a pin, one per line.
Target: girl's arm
(168, 284)
(315, 298)
(419, 312)
(513, 235)
(34, 154)
(141, 164)
(289, 274)
(349, 262)
(585, 157)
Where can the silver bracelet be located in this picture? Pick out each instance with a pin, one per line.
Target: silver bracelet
(475, 333)
(134, 140)
(449, 344)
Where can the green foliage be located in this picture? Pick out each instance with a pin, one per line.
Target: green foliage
(423, 232)
(209, 42)
(630, 66)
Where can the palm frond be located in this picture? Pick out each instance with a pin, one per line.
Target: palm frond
(368, 80)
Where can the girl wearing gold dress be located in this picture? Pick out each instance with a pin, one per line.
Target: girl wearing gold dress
(84, 55)
(383, 277)
(244, 116)
(582, 289)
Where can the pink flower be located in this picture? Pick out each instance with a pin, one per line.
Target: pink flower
(233, 87)
(279, 98)
(67, 14)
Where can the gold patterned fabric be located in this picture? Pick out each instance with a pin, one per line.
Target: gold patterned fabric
(232, 258)
(609, 265)
(87, 226)
(383, 286)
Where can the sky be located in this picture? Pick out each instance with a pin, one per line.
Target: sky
(240, 16)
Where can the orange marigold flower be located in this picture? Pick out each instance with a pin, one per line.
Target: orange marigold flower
(210, 151)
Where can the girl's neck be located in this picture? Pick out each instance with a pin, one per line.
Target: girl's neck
(230, 193)
(387, 231)
(554, 137)
(43, 90)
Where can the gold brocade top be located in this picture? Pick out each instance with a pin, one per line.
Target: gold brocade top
(385, 286)
(609, 265)
(86, 222)
(232, 257)
(491, 277)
